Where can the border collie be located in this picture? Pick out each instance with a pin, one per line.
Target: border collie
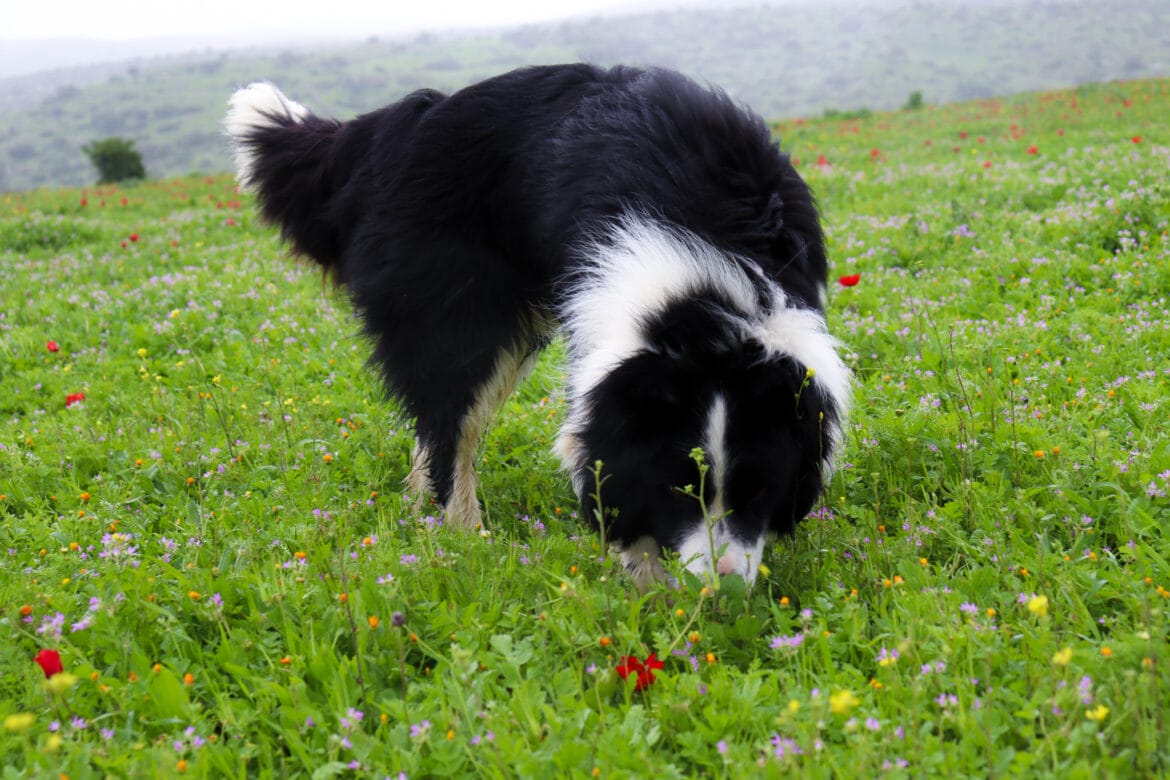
(652, 220)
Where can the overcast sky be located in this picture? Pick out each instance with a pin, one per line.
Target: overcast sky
(124, 20)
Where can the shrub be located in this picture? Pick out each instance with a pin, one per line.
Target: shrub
(116, 159)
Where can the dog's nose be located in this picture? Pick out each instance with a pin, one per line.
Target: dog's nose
(725, 565)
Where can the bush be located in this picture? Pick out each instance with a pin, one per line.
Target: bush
(116, 160)
(914, 102)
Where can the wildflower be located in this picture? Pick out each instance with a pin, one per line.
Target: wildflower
(1038, 606)
(850, 280)
(74, 398)
(784, 746)
(643, 671)
(373, 621)
(1098, 713)
(793, 641)
(841, 702)
(59, 683)
(887, 657)
(1085, 689)
(117, 549)
(49, 661)
(19, 721)
(51, 346)
(50, 627)
(1062, 657)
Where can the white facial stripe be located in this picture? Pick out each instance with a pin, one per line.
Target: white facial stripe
(716, 454)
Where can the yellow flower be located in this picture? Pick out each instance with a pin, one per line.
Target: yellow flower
(19, 721)
(1062, 657)
(1098, 713)
(53, 743)
(841, 702)
(59, 683)
(1038, 606)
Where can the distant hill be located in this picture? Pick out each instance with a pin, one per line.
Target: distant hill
(785, 60)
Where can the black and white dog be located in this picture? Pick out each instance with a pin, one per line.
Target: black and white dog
(653, 220)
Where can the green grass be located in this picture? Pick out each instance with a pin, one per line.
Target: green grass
(216, 542)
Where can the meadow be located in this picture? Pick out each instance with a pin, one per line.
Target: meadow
(202, 518)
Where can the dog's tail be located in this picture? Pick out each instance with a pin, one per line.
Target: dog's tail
(288, 157)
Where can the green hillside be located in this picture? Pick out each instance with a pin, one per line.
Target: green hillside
(785, 61)
(202, 516)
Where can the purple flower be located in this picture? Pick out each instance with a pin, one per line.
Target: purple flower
(785, 746)
(117, 549)
(50, 627)
(793, 641)
(1085, 689)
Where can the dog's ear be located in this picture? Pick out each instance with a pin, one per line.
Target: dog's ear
(694, 331)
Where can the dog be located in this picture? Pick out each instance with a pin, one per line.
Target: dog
(652, 220)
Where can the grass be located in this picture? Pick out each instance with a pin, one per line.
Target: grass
(215, 540)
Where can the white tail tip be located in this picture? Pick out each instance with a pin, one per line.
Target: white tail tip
(254, 107)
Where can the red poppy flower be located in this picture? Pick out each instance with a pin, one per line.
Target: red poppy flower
(1137, 139)
(49, 661)
(1033, 150)
(74, 398)
(643, 671)
(52, 346)
(134, 237)
(850, 280)
(822, 160)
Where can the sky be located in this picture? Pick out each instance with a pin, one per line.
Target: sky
(127, 20)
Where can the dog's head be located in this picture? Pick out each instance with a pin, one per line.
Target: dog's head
(713, 406)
